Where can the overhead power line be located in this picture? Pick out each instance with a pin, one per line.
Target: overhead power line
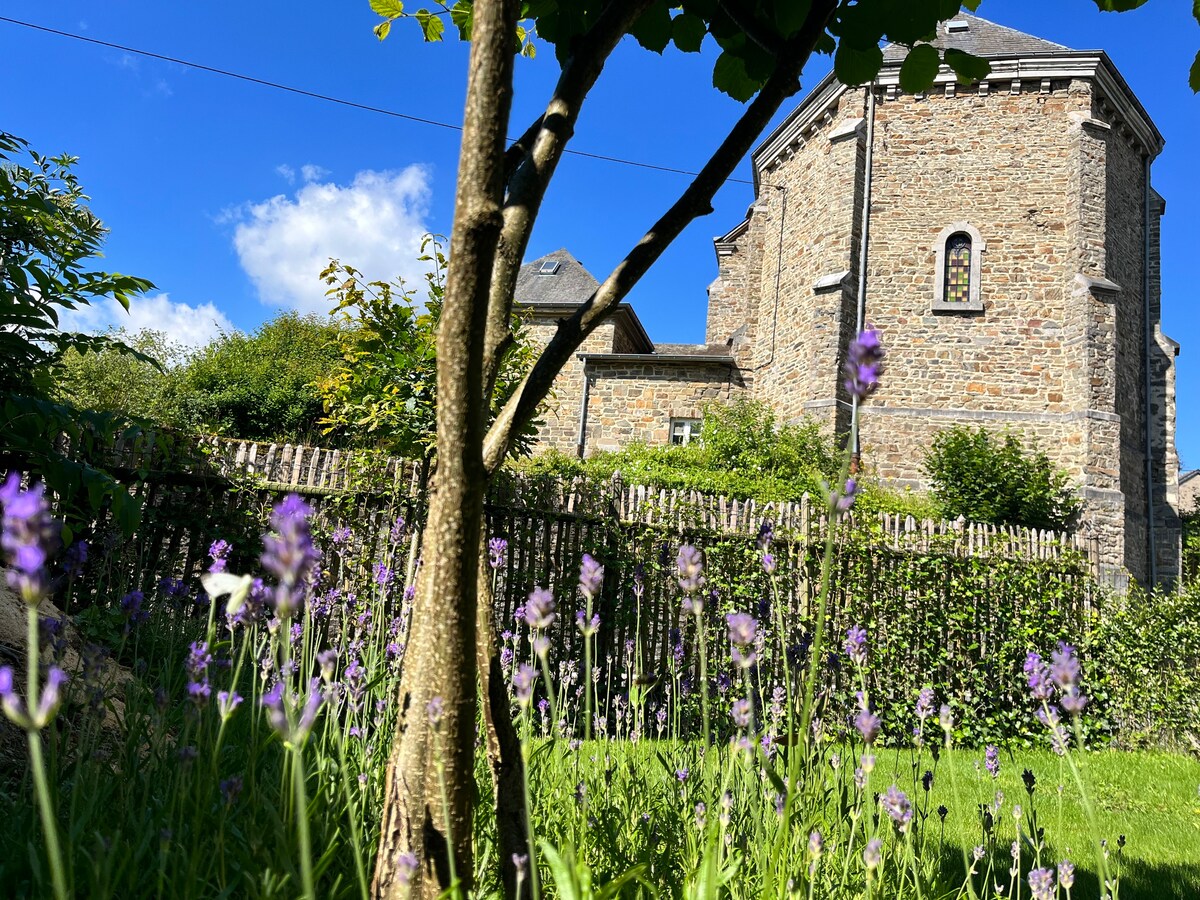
(327, 98)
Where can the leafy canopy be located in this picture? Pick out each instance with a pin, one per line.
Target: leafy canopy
(47, 234)
(382, 392)
(750, 34)
(994, 478)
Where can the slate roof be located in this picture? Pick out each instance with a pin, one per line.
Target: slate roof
(981, 38)
(571, 284)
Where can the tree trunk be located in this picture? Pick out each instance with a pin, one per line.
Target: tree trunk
(501, 742)
(430, 761)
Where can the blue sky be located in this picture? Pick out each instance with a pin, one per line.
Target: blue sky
(227, 194)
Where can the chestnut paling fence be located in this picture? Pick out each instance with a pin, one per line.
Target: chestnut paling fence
(946, 602)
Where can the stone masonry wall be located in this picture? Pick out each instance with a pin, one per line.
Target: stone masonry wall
(1004, 163)
(561, 413)
(635, 401)
(801, 331)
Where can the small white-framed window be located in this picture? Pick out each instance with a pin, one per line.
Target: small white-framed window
(684, 431)
(958, 256)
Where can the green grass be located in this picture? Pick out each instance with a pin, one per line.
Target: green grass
(637, 813)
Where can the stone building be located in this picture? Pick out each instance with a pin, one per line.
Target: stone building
(1011, 238)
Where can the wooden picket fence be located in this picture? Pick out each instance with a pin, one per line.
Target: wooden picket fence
(312, 470)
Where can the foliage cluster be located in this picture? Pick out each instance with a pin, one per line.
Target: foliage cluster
(743, 451)
(383, 393)
(989, 477)
(257, 387)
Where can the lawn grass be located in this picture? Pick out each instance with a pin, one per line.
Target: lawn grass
(1149, 797)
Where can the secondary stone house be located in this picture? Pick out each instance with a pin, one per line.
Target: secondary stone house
(1004, 238)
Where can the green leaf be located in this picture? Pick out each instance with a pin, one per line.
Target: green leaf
(431, 25)
(854, 66)
(968, 68)
(390, 8)
(1194, 77)
(381, 30)
(653, 27)
(730, 77)
(919, 69)
(688, 32)
(1118, 5)
(463, 15)
(790, 15)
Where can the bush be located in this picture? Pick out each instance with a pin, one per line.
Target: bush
(986, 477)
(744, 452)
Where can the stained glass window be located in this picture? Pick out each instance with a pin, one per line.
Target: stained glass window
(958, 268)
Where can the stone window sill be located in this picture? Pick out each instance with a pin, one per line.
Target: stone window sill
(964, 306)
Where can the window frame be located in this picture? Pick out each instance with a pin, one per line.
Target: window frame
(691, 433)
(974, 301)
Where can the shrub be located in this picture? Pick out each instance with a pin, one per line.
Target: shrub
(744, 452)
(987, 477)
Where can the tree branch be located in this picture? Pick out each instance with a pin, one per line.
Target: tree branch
(695, 201)
(544, 142)
(744, 19)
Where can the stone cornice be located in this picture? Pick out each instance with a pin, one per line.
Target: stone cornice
(726, 243)
(1093, 65)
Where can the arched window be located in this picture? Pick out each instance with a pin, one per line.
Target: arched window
(957, 288)
(956, 276)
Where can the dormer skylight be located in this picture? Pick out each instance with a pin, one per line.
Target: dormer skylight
(549, 267)
(956, 26)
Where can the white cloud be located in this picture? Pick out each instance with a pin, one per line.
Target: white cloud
(185, 324)
(310, 172)
(375, 223)
(286, 172)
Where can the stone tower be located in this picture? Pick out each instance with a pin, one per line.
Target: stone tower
(1011, 264)
(1004, 238)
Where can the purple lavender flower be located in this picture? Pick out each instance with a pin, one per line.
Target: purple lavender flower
(497, 552)
(895, 804)
(199, 692)
(1066, 874)
(681, 775)
(75, 559)
(406, 867)
(591, 577)
(766, 534)
(743, 629)
(868, 725)
(523, 680)
(231, 788)
(131, 607)
(815, 844)
(847, 495)
(198, 658)
(691, 570)
(383, 575)
(27, 535)
(587, 628)
(506, 657)
(864, 365)
(768, 562)
(856, 645)
(399, 529)
(227, 702)
(1041, 884)
(991, 757)
(539, 609)
(925, 703)
(741, 713)
(218, 552)
(288, 553)
(1037, 674)
(873, 853)
(946, 718)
